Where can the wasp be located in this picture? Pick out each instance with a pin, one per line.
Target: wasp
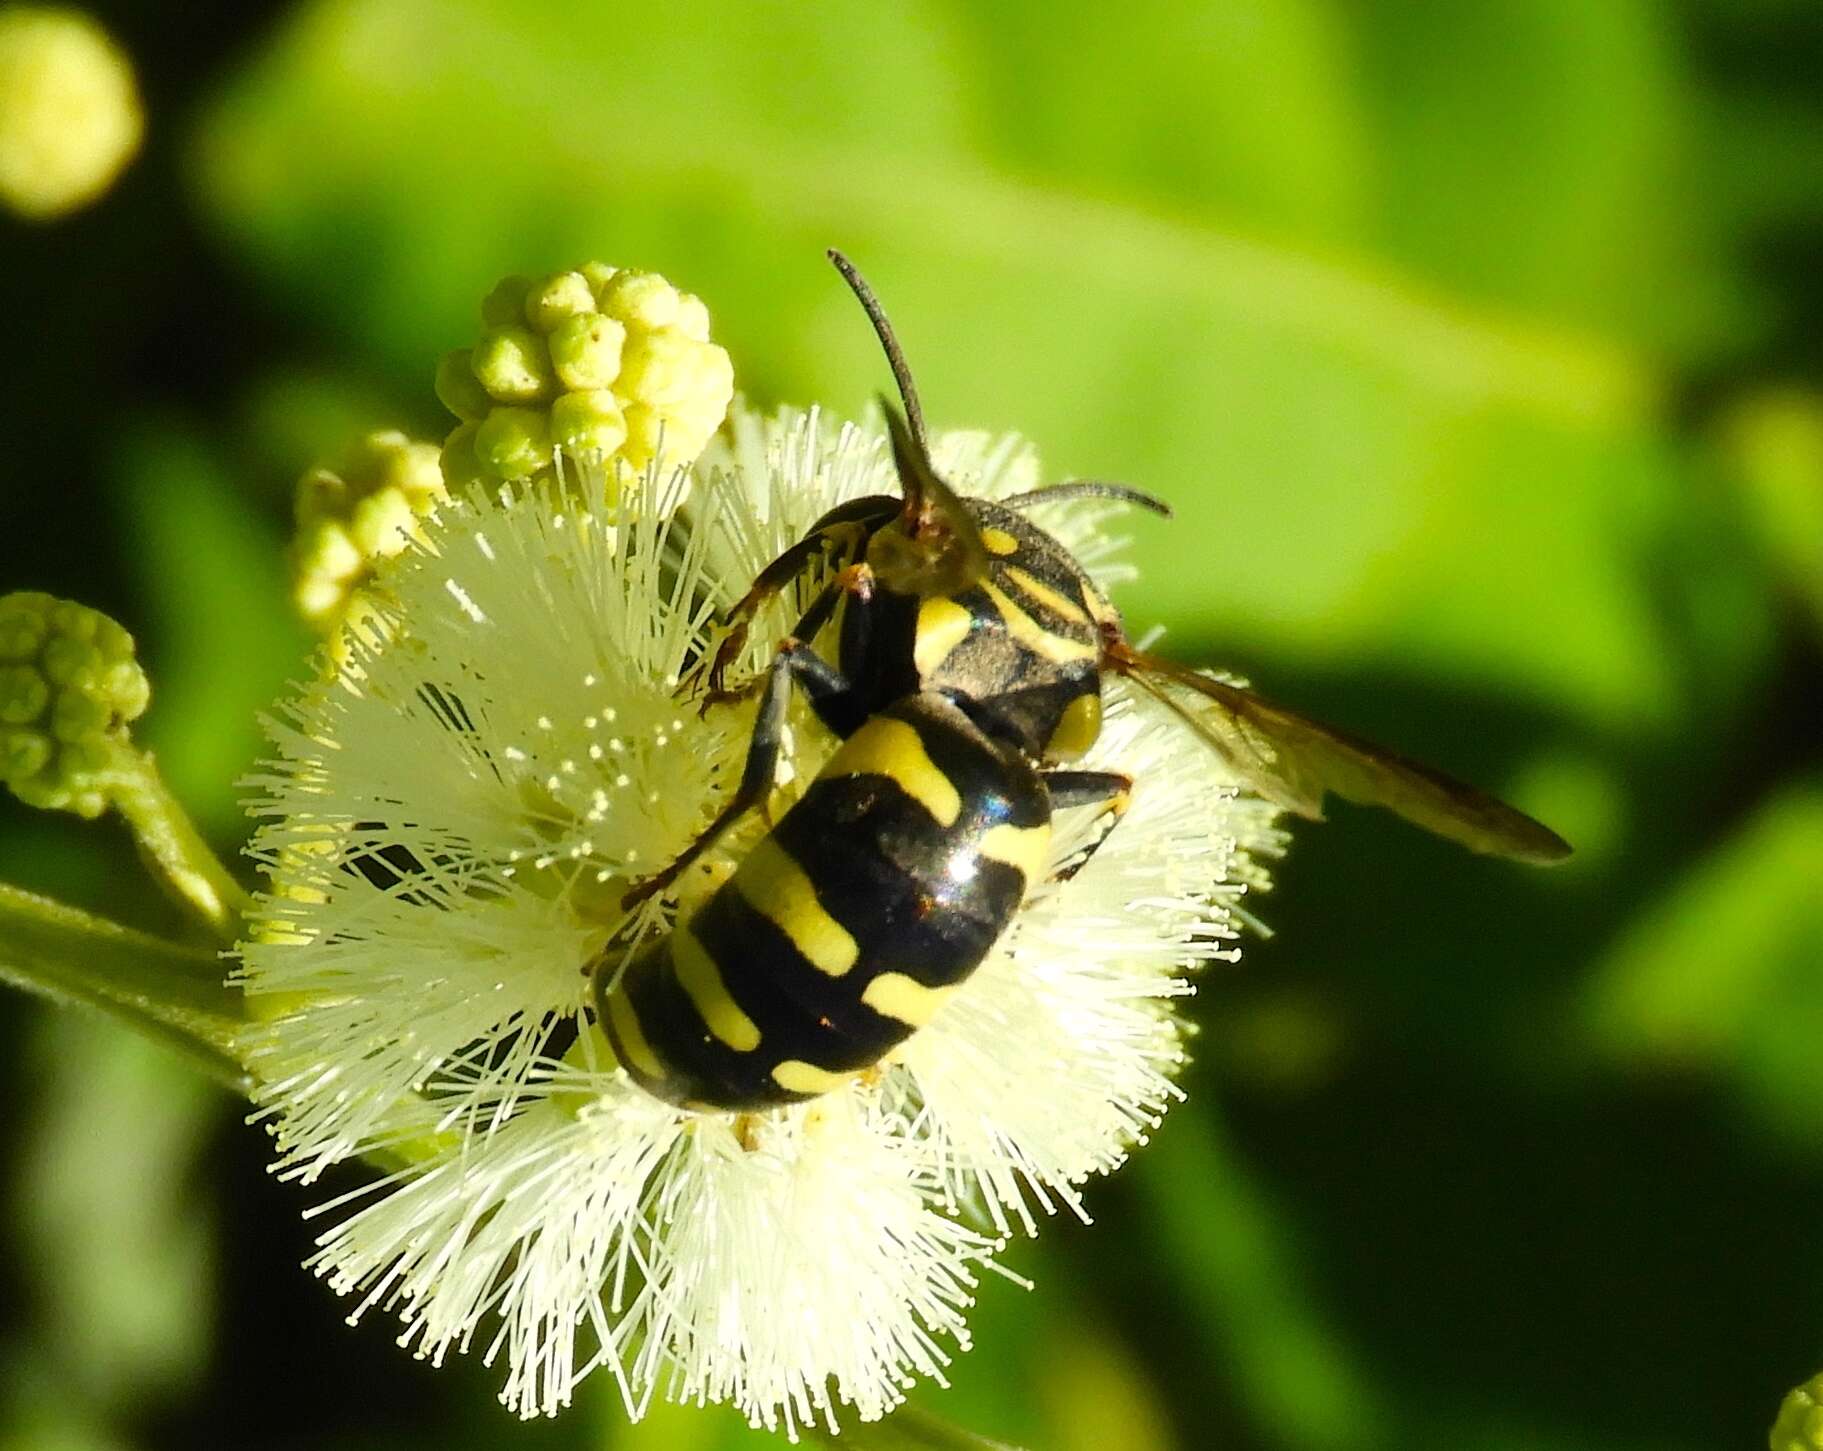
(969, 663)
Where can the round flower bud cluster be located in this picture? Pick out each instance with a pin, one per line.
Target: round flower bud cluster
(69, 684)
(599, 366)
(69, 111)
(364, 509)
(1800, 1423)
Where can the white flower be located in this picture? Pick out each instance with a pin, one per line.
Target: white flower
(448, 830)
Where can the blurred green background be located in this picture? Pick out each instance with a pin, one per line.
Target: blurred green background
(1480, 347)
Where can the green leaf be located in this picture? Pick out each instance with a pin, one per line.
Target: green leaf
(1367, 463)
(173, 993)
(219, 641)
(1720, 975)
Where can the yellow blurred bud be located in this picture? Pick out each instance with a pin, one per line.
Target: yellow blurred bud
(70, 117)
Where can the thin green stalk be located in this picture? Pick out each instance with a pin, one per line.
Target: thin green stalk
(174, 849)
(174, 993)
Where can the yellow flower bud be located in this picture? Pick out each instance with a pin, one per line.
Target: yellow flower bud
(602, 365)
(364, 509)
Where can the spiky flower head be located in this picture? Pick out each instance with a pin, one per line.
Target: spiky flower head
(448, 837)
(69, 686)
(599, 365)
(70, 118)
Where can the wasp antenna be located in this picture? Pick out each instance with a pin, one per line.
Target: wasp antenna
(1089, 489)
(910, 458)
(895, 356)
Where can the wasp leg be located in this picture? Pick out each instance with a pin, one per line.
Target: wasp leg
(1112, 791)
(856, 583)
(836, 703)
(842, 533)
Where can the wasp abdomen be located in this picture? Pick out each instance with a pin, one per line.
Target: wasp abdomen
(840, 933)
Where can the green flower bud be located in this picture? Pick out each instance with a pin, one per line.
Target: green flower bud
(364, 509)
(65, 702)
(458, 462)
(598, 275)
(513, 364)
(642, 299)
(458, 389)
(585, 423)
(1800, 1423)
(512, 443)
(586, 350)
(557, 299)
(505, 305)
(70, 117)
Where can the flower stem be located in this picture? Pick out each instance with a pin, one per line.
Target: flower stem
(910, 1428)
(174, 849)
(170, 992)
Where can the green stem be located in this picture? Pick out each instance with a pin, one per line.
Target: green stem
(175, 849)
(173, 993)
(910, 1428)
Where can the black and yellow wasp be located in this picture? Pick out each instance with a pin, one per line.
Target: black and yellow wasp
(969, 662)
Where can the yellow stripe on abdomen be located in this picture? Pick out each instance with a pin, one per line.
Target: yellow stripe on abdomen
(776, 887)
(796, 1076)
(631, 1038)
(1027, 848)
(904, 999)
(701, 979)
(888, 747)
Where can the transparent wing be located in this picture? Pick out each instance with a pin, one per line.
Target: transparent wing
(1294, 762)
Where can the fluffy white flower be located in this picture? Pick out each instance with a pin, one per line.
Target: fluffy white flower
(449, 828)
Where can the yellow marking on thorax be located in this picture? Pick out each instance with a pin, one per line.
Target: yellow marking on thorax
(1026, 847)
(1058, 649)
(891, 748)
(701, 978)
(1078, 728)
(998, 541)
(776, 887)
(632, 1037)
(1036, 589)
(942, 626)
(796, 1076)
(904, 999)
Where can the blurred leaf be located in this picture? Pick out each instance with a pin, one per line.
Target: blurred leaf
(1097, 1394)
(220, 643)
(120, 1233)
(1772, 446)
(1232, 1260)
(1721, 975)
(1363, 464)
(1538, 154)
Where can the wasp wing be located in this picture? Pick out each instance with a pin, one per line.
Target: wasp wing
(1294, 762)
